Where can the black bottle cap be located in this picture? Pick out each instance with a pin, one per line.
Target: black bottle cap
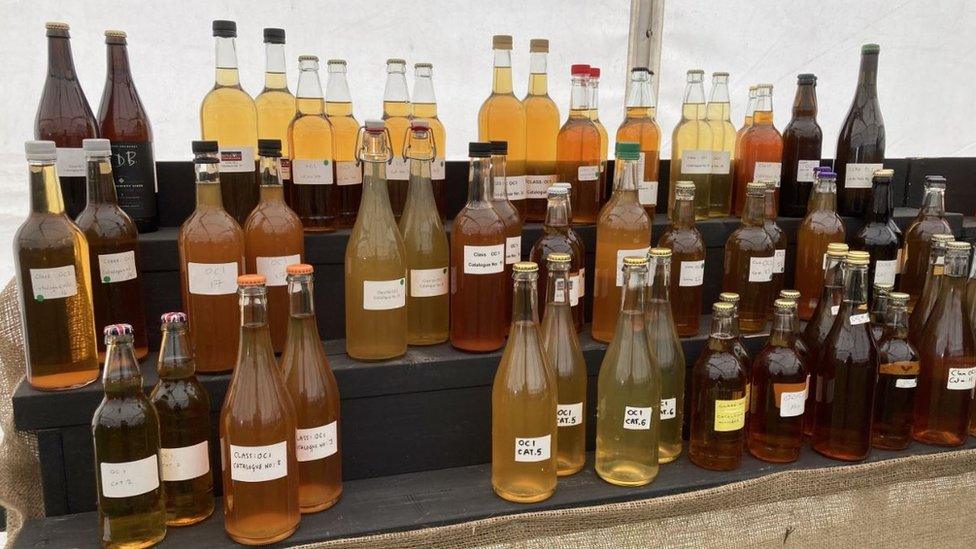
(274, 36)
(806, 78)
(479, 149)
(201, 147)
(224, 29)
(269, 147)
(499, 147)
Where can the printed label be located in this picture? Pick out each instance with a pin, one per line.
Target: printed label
(513, 249)
(274, 268)
(428, 282)
(130, 478)
(859, 176)
(647, 193)
(286, 169)
(384, 295)
(311, 172)
(621, 254)
(804, 170)
(70, 162)
(316, 442)
(906, 382)
(185, 463)
(730, 415)
(499, 189)
(569, 415)
(53, 283)
(517, 187)
(348, 173)
(538, 185)
(961, 379)
(692, 273)
(721, 162)
(761, 269)
(212, 278)
(779, 261)
(533, 449)
(117, 267)
(885, 270)
(834, 309)
(135, 177)
(791, 398)
(588, 173)
(482, 260)
(669, 408)
(438, 169)
(258, 463)
(559, 295)
(236, 159)
(767, 172)
(860, 318)
(398, 169)
(696, 162)
(638, 418)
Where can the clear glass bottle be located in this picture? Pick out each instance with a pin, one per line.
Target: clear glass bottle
(691, 146)
(880, 236)
(662, 337)
(313, 193)
(397, 115)
(760, 151)
(749, 262)
(593, 86)
(930, 291)
(918, 238)
(541, 128)
(345, 129)
(424, 109)
(505, 209)
(640, 126)
(778, 237)
(578, 151)
(819, 229)
(719, 109)
(502, 117)
(558, 236)
(746, 124)
(275, 104)
(861, 143)
(894, 396)
(802, 140)
(688, 266)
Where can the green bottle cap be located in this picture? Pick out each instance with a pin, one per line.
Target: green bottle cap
(627, 150)
(870, 48)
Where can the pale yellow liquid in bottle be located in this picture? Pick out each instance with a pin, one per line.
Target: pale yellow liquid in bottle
(662, 338)
(541, 128)
(502, 118)
(691, 134)
(276, 109)
(723, 140)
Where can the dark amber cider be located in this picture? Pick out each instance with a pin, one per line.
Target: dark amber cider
(861, 143)
(802, 139)
(894, 396)
(749, 263)
(918, 238)
(688, 260)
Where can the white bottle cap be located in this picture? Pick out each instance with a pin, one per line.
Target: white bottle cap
(96, 147)
(41, 151)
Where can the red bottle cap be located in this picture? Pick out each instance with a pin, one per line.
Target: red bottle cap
(583, 70)
(594, 72)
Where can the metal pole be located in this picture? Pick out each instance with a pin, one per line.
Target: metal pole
(644, 45)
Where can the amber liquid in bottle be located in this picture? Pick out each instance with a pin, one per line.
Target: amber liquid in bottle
(746, 124)
(802, 140)
(861, 143)
(424, 109)
(275, 104)
(662, 337)
(396, 115)
(509, 215)
(578, 152)
(894, 396)
(778, 237)
(739, 350)
(915, 253)
(541, 129)
(593, 85)
(640, 126)
(688, 260)
(880, 236)
(502, 118)
(718, 112)
(760, 151)
(930, 291)
(819, 229)
(113, 250)
(345, 129)
(183, 406)
(749, 262)
(821, 321)
(558, 236)
(314, 194)
(53, 282)
(691, 147)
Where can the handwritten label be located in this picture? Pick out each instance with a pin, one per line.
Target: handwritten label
(906, 382)
(621, 254)
(117, 267)
(348, 173)
(130, 478)
(398, 169)
(384, 295)
(638, 418)
(185, 463)
(730, 415)
(517, 187)
(767, 172)
(834, 309)
(258, 463)
(286, 168)
(647, 193)
(538, 185)
(792, 403)
(692, 273)
(533, 449)
(859, 176)
(761, 269)
(274, 268)
(481, 260)
(588, 173)
(438, 169)
(804, 170)
(961, 379)
(428, 282)
(779, 261)
(669, 408)
(569, 415)
(70, 162)
(513, 249)
(212, 278)
(53, 283)
(721, 162)
(236, 159)
(311, 171)
(499, 188)
(696, 162)
(860, 318)
(885, 270)
(316, 442)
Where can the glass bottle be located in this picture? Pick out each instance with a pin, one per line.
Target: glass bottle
(257, 433)
(228, 116)
(345, 131)
(523, 403)
(123, 120)
(313, 194)
(113, 248)
(506, 210)
(566, 360)
(640, 126)
(760, 151)
(578, 151)
(502, 117)
(930, 292)
(723, 141)
(778, 237)
(879, 309)
(478, 284)
(688, 266)
(894, 395)
(740, 352)
(211, 247)
(802, 140)
(315, 396)
(917, 242)
(623, 230)
(64, 117)
(847, 371)
(376, 261)
(746, 124)
(558, 236)
(628, 408)
(718, 398)
(396, 116)
(125, 429)
(541, 129)
(593, 111)
(183, 406)
(424, 109)
(861, 143)
(947, 354)
(799, 340)
(778, 392)
(749, 261)
(691, 146)
(819, 229)
(662, 337)
(275, 105)
(425, 242)
(273, 239)
(880, 236)
(53, 283)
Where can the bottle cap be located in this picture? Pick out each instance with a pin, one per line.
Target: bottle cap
(579, 70)
(898, 298)
(96, 147)
(789, 294)
(539, 45)
(640, 69)
(837, 247)
(870, 48)
(251, 280)
(525, 267)
(224, 29)
(269, 147)
(728, 297)
(855, 258)
(957, 245)
(56, 28)
(684, 186)
(885, 173)
(752, 89)
(479, 149)
(41, 151)
(299, 269)
(499, 147)
(173, 317)
(806, 78)
(556, 190)
(374, 126)
(627, 150)
(396, 61)
(423, 65)
(784, 304)
(419, 125)
(659, 252)
(722, 308)
(935, 181)
(114, 37)
(117, 330)
(274, 36)
(828, 174)
(714, 74)
(200, 147)
(336, 62)
(635, 260)
(696, 71)
(943, 238)
(501, 42)
(308, 58)
(883, 287)
(594, 72)
(859, 254)
(558, 257)
(754, 188)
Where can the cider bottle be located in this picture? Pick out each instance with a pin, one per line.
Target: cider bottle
(917, 242)
(746, 124)
(523, 402)
(53, 283)
(425, 110)
(183, 406)
(778, 392)
(894, 395)
(640, 126)
(425, 242)
(593, 85)
(558, 236)
(947, 353)
(113, 248)
(719, 398)
(125, 430)
(777, 236)
(880, 236)
(345, 131)
(691, 147)
(662, 337)
(566, 361)
(541, 129)
(478, 283)
(275, 104)
(799, 341)
(861, 143)
(502, 117)
(396, 116)
(622, 230)
(749, 263)
(847, 372)
(315, 396)
(931, 289)
(819, 229)
(273, 239)
(376, 261)
(64, 117)
(760, 151)
(229, 117)
(740, 352)
(718, 110)
(628, 406)
(879, 310)
(802, 139)
(506, 210)
(578, 151)
(313, 194)
(688, 266)
(257, 433)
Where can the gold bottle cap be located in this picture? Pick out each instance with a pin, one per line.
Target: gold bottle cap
(753, 88)
(860, 254)
(696, 71)
(525, 267)
(885, 173)
(714, 74)
(722, 307)
(837, 247)
(885, 287)
(943, 237)
(558, 257)
(791, 295)
(660, 252)
(635, 260)
(308, 58)
(395, 61)
(539, 45)
(898, 298)
(787, 304)
(56, 25)
(755, 188)
(423, 65)
(729, 297)
(855, 259)
(501, 42)
(957, 245)
(251, 280)
(684, 186)
(114, 34)
(336, 62)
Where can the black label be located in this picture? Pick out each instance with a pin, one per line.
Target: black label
(135, 178)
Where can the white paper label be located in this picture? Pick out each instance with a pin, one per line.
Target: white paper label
(348, 173)
(258, 463)
(533, 449)
(692, 273)
(513, 249)
(384, 295)
(779, 261)
(638, 418)
(130, 478)
(804, 170)
(860, 318)
(721, 162)
(885, 270)
(185, 463)
(834, 309)
(316, 442)
(669, 408)
(236, 159)
(761, 269)
(574, 285)
(569, 415)
(621, 254)
(588, 173)
(499, 189)
(581, 277)
(398, 169)
(70, 162)
(438, 169)
(311, 172)
(792, 404)
(212, 278)
(906, 382)
(484, 259)
(53, 283)
(696, 162)
(859, 176)
(767, 172)
(961, 379)
(517, 187)
(538, 185)
(286, 168)
(428, 282)
(275, 269)
(117, 267)
(647, 193)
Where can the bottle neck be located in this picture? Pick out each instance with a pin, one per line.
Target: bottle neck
(275, 77)
(625, 175)
(208, 184)
(502, 73)
(805, 102)
(254, 307)
(641, 94)
(118, 64)
(724, 328)
(60, 63)
(720, 92)
(122, 377)
(300, 302)
(660, 290)
(101, 184)
(752, 215)
(226, 61)
(867, 78)
(396, 86)
(933, 205)
(423, 89)
(45, 190)
(896, 324)
(769, 205)
(824, 196)
(498, 182)
(270, 170)
(309, 92)
(683, 216)
(881, 210)
(750, 110)
(175, 353)
(336, 88)
(856, 285)
(763, 115)
(579, 97)
(524, 307)
(879, 307)
(479, 181)
(782, 334)
(557, 214)
(538, 78)
(594, 103)
(733, 327)
(694, 93)
(634, 287)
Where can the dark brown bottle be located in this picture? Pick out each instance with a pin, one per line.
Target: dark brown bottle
(861, 144)
(64, 117)
(879, 236)
(122, 119)
(894, 395)
(802, 141)
(879, 309)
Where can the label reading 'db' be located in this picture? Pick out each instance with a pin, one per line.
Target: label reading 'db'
(428, 282)
(316, 442)
(130, 478)
(569, 415)
(185, 463)
(638, 418)
(117, 267)
(533, 449)
(258, 463)
(383, 295)
(53, 283)
(484, 259)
